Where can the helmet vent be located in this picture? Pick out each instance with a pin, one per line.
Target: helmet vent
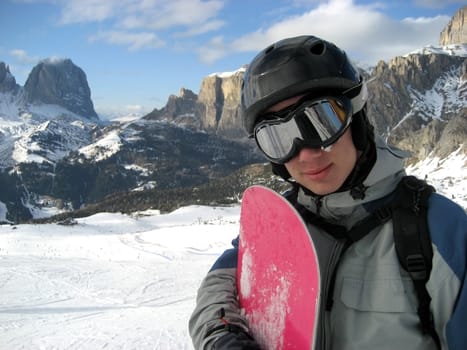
(269, 49)
(318, 48)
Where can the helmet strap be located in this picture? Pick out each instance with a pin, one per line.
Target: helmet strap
(280, 170)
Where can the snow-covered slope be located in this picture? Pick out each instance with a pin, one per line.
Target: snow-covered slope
(447, 175)
(113, 281)
(110, 281)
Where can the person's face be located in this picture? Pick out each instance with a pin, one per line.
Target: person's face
(321, 171)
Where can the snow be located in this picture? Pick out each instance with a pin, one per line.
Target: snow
(20, 123)
(270, 324)
(104, 148)
(448, 176)
(446, 96)
(53, 60)
(451, 50)
(246, 277)
(110, 281)
(3, 212)
(137, 168)
(228, 74)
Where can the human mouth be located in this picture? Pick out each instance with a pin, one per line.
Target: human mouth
(318, 173)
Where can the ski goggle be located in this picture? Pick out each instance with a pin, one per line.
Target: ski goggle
(314, 123)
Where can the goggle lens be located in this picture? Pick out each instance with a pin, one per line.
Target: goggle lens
(313, 123)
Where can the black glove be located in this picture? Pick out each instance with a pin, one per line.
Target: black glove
(235, 341)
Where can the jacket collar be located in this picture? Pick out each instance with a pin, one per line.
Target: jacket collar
(341, 207)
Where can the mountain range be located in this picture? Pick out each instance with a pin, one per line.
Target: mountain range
(56, 153)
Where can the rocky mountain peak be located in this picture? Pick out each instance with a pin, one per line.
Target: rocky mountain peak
(187, 94)
(7, 80)
(416, 111)
(215, 109)
(179, 109)
(456, 30)
(61, 82)
(219, 97)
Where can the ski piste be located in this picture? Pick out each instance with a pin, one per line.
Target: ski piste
(278, 272)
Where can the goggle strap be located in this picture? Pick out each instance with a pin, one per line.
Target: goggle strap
(358, 102)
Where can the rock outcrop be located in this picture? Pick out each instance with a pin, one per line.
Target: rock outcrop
(216, 109)
(456, 30)
(179, 110)
(417, 98)
(60, 82)
(219, 103)
(7, 80)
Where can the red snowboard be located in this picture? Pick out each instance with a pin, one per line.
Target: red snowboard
(278, 273)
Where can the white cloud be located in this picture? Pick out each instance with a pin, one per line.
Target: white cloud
(23, 57)
(143, 14)
(206, 27)
(148, 17)
(22, 64)
(134, 41)
(164, 14)
(214, 50)
(362, 30)
(78, 11)
(115, 112)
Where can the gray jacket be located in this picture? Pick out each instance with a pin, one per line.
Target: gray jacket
(374, 305)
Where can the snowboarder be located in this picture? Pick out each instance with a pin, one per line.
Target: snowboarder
(305, 104)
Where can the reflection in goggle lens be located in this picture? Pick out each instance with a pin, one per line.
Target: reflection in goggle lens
(313, 123)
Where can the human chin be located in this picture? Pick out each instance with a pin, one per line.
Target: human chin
(320, 188)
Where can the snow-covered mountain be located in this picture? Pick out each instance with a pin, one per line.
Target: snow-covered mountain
(419, 102)
(48, 117)
(450, 49)
(55, 150)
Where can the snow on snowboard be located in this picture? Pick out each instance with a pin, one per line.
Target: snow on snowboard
(278, 273)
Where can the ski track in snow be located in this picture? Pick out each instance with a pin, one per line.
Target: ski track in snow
(110, 282)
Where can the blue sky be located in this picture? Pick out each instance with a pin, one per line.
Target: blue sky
(136, 53)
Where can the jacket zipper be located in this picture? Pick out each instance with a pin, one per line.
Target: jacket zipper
(319, 203)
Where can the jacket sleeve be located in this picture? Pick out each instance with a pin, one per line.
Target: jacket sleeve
(448, 228)
(217, 310)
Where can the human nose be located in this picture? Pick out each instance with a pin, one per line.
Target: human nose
(307, 154)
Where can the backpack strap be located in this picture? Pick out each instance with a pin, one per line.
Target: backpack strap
(413, 243)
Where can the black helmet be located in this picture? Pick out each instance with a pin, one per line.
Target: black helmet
(292, 67)
(307, 64)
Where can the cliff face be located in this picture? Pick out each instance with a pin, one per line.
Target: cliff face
(396, 88)
(62, 83)
(418, 100)
(7, 80)
(456, 30)
(216, 109)
(219, 104)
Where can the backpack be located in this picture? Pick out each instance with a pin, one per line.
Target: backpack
(408, 206)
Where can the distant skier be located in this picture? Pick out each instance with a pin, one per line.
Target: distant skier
(305, 105)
